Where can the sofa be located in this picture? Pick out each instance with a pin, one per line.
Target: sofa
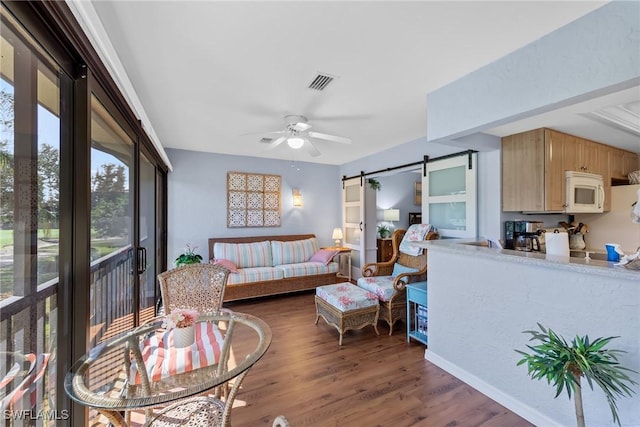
(271, 265)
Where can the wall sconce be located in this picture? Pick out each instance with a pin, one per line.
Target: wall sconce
(391, 215)
(337, 234)
(297, 198)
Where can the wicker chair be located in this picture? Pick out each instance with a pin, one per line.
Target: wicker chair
(196, 286)
(391, 289)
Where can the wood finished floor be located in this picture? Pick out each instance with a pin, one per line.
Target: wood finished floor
(369, 381)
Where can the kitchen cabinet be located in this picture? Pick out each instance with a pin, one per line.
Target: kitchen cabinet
(385, 249)
(581, 155)
(631, 162)
(622, 162)
(534, 163)
(532, 171)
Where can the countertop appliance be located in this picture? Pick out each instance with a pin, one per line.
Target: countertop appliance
(584, 192)
(523, 235)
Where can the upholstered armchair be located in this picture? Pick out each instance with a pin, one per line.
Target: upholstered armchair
(388, 279)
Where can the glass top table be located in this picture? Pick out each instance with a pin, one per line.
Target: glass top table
(107, 378)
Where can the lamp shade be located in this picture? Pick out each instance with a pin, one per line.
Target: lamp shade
(337, 233)
(391, 214)
(297, 198)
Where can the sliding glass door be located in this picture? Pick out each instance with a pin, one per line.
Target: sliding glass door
(147, 243)
(113, 295)
(30, 142)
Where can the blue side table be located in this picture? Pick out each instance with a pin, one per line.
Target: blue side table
(417, 312)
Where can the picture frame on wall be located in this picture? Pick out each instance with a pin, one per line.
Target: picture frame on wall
(417, 194)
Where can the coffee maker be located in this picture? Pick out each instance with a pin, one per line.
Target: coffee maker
(523, 235)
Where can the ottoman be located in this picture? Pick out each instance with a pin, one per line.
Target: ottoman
(345, 306)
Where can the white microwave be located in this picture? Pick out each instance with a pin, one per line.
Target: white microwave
(584, 192)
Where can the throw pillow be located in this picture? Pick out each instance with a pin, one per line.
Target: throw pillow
(226, 264)
(324, 256)
(400, 269)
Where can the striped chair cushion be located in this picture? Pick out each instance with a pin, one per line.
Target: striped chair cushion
(307, 269)
(245, 255)
(382, 286)
(293, 252)
(255, 274)
(162, 359)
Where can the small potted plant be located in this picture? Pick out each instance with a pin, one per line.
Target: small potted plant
(188, 257)
(384, 231)
(564, 365)
(374, 184)
(182, 322)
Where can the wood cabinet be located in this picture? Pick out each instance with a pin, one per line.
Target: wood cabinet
(534, 163)
(385, 250)
(531, 163)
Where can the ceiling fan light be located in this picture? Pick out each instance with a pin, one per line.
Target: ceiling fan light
(295, 142)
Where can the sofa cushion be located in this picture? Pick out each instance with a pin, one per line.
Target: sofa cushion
(293, 252)
(307, 269)
(255, 274)
(324, 256)
(382, 286)
(245, 255)
(401, 269)
(226, 264)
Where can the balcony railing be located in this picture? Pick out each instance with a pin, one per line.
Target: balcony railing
(28, 324)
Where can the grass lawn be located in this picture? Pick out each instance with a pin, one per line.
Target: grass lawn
(6, 236)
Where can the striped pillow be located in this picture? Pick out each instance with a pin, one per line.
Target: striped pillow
(293, 252)
(245, 255)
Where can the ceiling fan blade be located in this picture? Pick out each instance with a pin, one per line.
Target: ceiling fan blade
(275, 143)
(311, 148)
(301, 126)
(262, 133)
(332, 138)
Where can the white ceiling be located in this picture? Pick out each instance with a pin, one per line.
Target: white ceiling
(209, 72)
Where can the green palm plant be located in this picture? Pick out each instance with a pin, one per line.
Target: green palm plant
(189, 256)
(564, 365)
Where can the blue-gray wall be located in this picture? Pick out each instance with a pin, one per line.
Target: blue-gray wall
(396, 192)
(198, 198)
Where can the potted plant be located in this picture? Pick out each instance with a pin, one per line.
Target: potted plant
(182, 322)
(188, 257)
(374, 184)
(384, 231)
(564, 365)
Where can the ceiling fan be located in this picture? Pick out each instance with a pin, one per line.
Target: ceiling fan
(297, 135)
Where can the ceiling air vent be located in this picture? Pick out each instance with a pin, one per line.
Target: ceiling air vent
(266, 140)
(320, 81)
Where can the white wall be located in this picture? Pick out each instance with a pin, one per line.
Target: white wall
(479, 305)
(592, 56)
(198, 198)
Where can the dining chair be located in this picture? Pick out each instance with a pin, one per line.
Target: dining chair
(388, 279)
(195, 286)
(204, 410)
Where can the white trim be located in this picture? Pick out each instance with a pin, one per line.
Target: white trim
(88, 19)
(506, 400)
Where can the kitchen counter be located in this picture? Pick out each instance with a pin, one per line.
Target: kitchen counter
(576, 264)
(482, 299)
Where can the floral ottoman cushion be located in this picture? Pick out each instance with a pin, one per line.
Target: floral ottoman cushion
(346, 297)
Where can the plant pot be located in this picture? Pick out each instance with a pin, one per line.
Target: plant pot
(184, 337)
